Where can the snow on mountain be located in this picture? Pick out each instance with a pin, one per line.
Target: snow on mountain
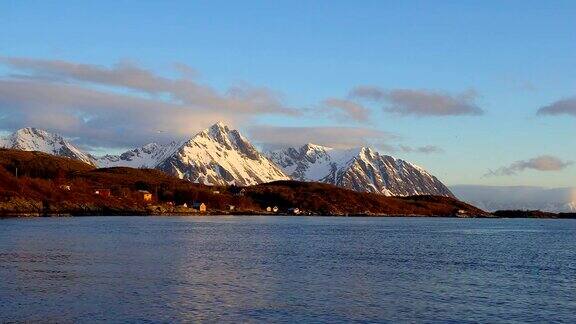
(492, 198)
(216, 156)
(360, 169)
(33, 139)
(222, 156)
(219, 155)
(147, 156)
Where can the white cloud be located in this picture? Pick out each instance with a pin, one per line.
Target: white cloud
(123, 105)
(420, 102)
(539, 163)
(336, 137)
(346, 110)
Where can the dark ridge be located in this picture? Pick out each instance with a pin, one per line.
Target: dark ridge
(532, 214)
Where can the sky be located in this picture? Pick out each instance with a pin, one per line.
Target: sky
(476, 92)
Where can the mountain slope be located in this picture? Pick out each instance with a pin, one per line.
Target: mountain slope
(360, 169)
(219, 155)
(33, 139)
(222, 156)
(147, 156)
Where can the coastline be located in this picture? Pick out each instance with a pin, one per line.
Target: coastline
(215, 213)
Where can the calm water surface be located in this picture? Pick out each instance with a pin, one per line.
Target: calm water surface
(286, 269)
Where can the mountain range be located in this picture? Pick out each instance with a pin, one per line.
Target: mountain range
(492, 198)
(220, 155)
(360, 169)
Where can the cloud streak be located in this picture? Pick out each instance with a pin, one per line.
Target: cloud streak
(428, 149)
(272, 137)
(123, 105)
(346, 110)
(540, 163)
(423, 103)
(241, 99)
(561, 107)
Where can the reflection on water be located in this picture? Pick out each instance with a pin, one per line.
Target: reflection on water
(283, 269)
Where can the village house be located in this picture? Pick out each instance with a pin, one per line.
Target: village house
(65, 187)
(199, 206)
(102, 192)
(144, 195)
(294, 211)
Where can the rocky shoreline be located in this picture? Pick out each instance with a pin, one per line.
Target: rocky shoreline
(92, 211)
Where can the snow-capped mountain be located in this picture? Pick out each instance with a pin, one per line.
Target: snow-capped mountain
(360, 169)
(33, 139)
(492, 198)
(216, 156)
(220, 155)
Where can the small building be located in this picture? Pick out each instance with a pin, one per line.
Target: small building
(231, 207)
(199, 206)
(102, 192)
(215, 192)
(275, 209)
(185, 205)
(65, 187)
(144, 195)
(294, 211)
(461, 213)
(269, 209)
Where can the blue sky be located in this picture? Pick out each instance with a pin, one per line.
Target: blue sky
(507, 58)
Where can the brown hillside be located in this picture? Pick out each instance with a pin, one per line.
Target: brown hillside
(55, 185)
(39, 165)
(331, 200)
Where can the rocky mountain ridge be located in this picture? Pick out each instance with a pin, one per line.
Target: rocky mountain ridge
(359, 169)
(220, 155)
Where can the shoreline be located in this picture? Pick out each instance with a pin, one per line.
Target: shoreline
(256, 214)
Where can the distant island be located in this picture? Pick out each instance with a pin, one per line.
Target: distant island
(532, 214)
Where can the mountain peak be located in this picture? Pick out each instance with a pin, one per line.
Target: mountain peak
(366, 151)
(316, 147)
(219, 155)
(32, 131)
(219, 127)
(35, 139)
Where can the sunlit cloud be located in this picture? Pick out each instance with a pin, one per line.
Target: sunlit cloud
(419, 102)
(122, 105)
(540, 163)
(345, 110)
(272, 137)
